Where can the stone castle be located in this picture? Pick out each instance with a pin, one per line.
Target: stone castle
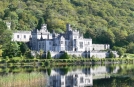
(72, 41)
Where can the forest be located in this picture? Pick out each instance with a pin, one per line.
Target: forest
(105, 21)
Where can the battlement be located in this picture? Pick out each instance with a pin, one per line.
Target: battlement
(28, 32)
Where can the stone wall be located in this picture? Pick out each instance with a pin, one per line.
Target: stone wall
(95, 54)
(100, 46)
(99, 54)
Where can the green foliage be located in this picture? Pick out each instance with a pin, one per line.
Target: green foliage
(23, 48)
(64, 56)
(130, 48)
(3, 27)
(120, 50)
(111, 55)
(41, 53)
(11, 50)
(48, 55)
(28, 54)
(130, 37)
(47, 63)
(5, 36)
(0, 52)
(110, 20)
(49, 71)
(40, 22)
(64, 70)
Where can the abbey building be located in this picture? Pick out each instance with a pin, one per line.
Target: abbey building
(72, 41)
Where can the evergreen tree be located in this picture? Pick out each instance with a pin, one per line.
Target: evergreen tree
(48, 55)
(23, 48)
(40, 22)
(49, 71)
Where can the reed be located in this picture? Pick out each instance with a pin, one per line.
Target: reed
(34, 79)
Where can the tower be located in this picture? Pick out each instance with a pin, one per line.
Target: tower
(68, 27)
(8, 25)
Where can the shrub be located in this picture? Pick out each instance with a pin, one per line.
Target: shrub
(111, 55)
(64, 56)
(48, 55)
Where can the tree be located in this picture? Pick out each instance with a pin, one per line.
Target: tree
(120, 35)
(28, 54)
(3, 27)
(41, 53)
(11, 50)
(23, 48)
(0, 51)
(64, 56)
(130, 48)
(130, 37)
(64, 71)
(113, 83)
(7, 45)
(48, 55)
(91, 33)
(120, 50)
(5, 36)
(49, 71)
(106, 37)
(40, 22)
(111, 55)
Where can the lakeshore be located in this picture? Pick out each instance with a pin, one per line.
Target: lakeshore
(20, 76)
(52, 62)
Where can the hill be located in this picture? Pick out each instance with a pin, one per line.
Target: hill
(105, 21)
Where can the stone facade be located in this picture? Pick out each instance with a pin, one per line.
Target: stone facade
(21, 36)
(72, 41)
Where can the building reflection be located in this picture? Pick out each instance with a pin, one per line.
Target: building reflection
(77, 77)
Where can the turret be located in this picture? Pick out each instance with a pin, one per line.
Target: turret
(44, 26)
(68, 27)
(8, 25)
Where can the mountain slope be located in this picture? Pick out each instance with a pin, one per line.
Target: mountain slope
(106, 21)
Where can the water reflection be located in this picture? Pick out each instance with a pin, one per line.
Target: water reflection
(73, 78)
(78, 77)
(95, 76)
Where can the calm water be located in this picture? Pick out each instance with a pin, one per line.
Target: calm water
(95, 76)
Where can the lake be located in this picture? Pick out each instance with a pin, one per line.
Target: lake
(68, 76)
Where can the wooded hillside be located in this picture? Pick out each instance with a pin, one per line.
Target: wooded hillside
(105, 21)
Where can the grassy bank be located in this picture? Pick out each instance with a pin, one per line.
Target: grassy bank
(34, 79)
(19, 61)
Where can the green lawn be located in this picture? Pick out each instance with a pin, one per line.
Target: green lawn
(130, 55)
